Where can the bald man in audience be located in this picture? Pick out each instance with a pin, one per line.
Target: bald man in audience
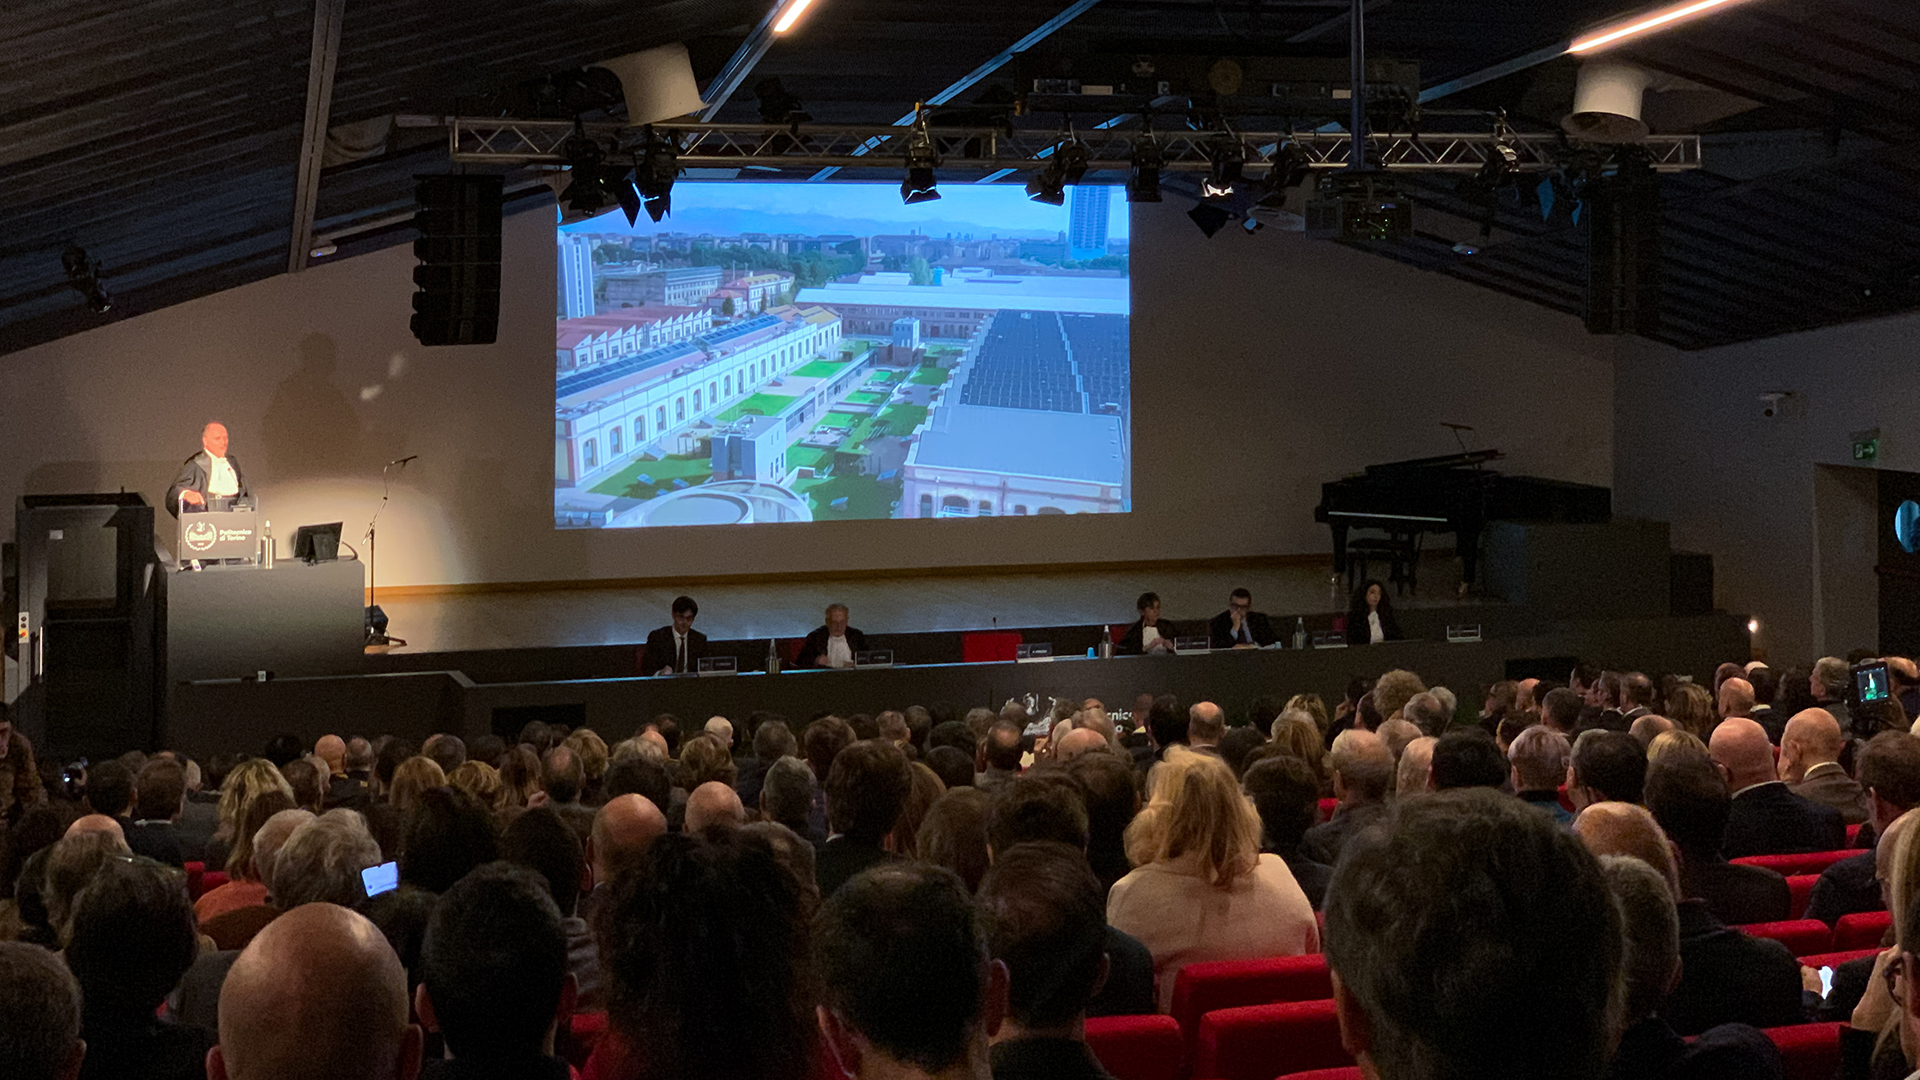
(1362, 771)
(1080, 741)
(1398, 734)
(317, 995)
(623, 829)
(1414, 773)
(714, 803)
(721, 728)
(1767, 818)
(1523, 695)
(1206, 723)
(1810, 764)
(1645, 729)
(1726, 977)
(101, 823)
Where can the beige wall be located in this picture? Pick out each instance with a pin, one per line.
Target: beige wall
(1263, 366)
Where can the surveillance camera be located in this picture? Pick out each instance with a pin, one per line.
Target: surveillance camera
(1772, 402)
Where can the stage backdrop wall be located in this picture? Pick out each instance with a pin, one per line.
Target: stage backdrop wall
(1786, 511)
(1262, 366)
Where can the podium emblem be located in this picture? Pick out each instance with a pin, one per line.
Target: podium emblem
(200, 535)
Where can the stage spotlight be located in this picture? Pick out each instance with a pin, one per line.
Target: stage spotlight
(919, 185)
(1143, 178)
(84, 275)
(588, 191)
(654, 172)
(1228, 158)
(1210, 218)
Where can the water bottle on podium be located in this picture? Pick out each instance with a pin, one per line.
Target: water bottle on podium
(1300, 633)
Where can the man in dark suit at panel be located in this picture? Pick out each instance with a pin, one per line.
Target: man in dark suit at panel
(833, 645)
(676, 649)
(1240, 626)
(1767, 818)
(210, 474)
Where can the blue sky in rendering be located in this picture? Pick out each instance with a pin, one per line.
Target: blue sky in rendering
(980, 210)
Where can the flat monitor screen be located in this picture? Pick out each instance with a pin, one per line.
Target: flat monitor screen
(317, 543)
(796, 352)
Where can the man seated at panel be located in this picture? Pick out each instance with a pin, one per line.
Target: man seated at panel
(833, 645)
(210, 474)
(675, 649)
(1240, 627)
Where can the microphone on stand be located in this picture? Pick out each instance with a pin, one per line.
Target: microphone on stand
(402, 461)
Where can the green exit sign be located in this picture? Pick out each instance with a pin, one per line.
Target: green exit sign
(1866, 449)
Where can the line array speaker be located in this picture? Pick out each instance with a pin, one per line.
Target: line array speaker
(1623, 249)
(458, 219)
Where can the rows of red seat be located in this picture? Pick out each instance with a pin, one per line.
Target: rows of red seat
(1805, 937)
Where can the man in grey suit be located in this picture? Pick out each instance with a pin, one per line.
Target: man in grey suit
(210, 474)
(1810, 764)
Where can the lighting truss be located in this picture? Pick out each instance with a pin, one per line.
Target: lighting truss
(482, 141)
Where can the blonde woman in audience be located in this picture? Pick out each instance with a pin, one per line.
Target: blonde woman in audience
(246, 880)
(519, 777)
(480, 780)
(1296, 732)
(704, 758)
(245, 781)
(415, 775)
(1676, 741)
(926, 790)
(1201, 889)
(1899, 874)
(1315, 707)
(1691, 706)
(591, 750)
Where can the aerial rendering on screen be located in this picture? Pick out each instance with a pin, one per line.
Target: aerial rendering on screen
(788, 352)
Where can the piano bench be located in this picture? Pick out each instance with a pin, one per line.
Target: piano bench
(1401, 553)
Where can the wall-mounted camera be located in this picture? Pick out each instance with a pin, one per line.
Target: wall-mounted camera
(1773, 402)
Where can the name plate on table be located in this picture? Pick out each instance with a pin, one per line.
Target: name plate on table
(218, 534)
(1027, 652)
(1329, 639)
(1200, 643)
(1464, 633)
(718, 665)
(873, 658)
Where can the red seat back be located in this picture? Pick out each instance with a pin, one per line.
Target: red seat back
(1138, 1047)
(579, 1035)
(1811, 862)
(1812, 1051)
(1862, 930)
(1260, 1042)
(1327, 807)
(1853, 834)
(212, 880)
(1835, 959)
(1800, 887)
(1804, 937)
(990, 646)
(1201, 988)
(196, 872)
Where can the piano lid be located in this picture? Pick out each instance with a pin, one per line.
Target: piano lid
(1444, 461)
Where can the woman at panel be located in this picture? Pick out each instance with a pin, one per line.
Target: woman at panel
(1370, 616)
(1148, 635)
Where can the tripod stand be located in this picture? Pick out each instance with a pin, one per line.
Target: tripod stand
(377, 619)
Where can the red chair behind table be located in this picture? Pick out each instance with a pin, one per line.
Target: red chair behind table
(1201, 988)
(1138, 1047)
(1800, 888)
(1261, 1041)
(1811, 862)
(989, 646)
(1812, 1051)
(1862, 930)
(1805, 937)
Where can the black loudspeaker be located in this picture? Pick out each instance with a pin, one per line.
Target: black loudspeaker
(458, 218)
(1692, 583)
(1623, 249)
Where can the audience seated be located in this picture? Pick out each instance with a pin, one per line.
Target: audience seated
(40, 1039)
(1605, 766)
(1432, 980)
(1649, 1047)
(623, 830)
(448, 834)
(907, 987)
(1107, 784)
(1726, 977)
(1046, 923)
(160, 795)
(1413, 774)
(867, 786)
(1287, 799)
(1467, 759)
(1767, 818)
(1689, 800)
(129, 940)
(1810, 750)
(321, 861)
(714, 804)
(540, 841)
(1889, 770)
(1201, 888)
(1538, 766)
(954, 835)
(494, 980)
(1362, 772)
(317, 996)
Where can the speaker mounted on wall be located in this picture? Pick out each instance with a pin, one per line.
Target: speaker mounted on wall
(1623, 248)
(458, 278)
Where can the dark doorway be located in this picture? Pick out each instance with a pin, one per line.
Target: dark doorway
(1898, 570)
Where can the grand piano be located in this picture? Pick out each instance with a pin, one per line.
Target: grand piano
(1453, 493)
